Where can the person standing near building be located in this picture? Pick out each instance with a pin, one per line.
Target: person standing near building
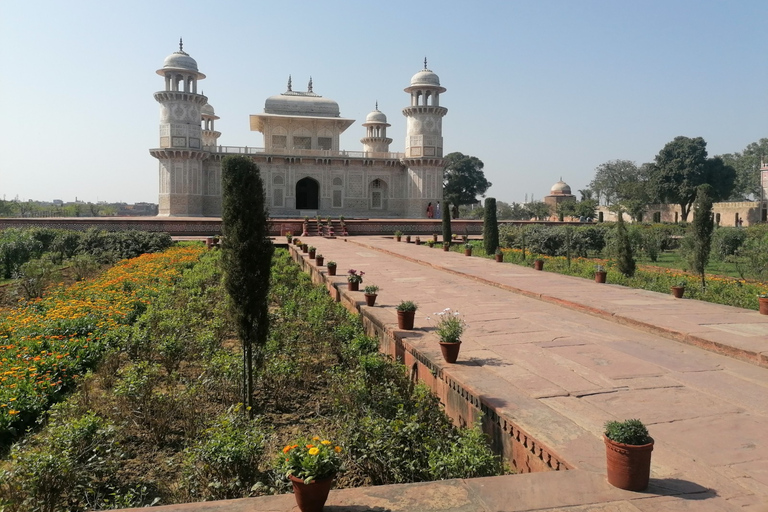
(430, 211)
(437, 211)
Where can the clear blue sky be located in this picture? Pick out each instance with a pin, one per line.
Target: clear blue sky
(537, 89)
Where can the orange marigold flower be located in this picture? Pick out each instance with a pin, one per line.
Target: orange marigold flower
(310, 446)
(286, 449)
(316, 438)
(337, 449)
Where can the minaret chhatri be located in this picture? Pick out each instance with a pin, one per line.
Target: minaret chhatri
(376, 141)
(181, 153)
(424, 141)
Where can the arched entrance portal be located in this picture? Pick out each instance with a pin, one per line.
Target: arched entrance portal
(307, 194)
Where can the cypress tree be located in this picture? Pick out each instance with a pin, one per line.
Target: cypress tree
(490, 227)
(625, 259)
(446, 211)
(246, 258)
(702, 226)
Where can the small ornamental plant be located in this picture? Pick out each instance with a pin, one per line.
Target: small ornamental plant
(449, 325)
(398, 233)
(431, 243)
(681, 284)
(631, 432)
(599, 268)
(289, 235)
(312, 248)
(355, 276)
(331, 264)
(498, 251)
(371, 289)
(467, 245)
(762, 295)
(406, 305)
(318, 256)
(311, 459)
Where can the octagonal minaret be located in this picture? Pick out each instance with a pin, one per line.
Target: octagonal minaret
(424, 141)
(376, 140)
(180, 152)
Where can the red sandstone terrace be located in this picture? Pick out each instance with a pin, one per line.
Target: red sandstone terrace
(548, 359)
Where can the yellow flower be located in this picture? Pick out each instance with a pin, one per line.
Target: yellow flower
(316, 438)
(314, 451)
(337, 449)
(325, 442)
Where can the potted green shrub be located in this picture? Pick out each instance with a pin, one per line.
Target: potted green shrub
(312, 251)
(446, 246)
(679, 289)
(467, 249)
(431, 243)
(371, 292)
(304, 248)
(398, 235)
(538, 264)
(406, 312)
(407, 239)
(628, 448)
(319, 260)
(288, 236)
(498, 255)
(449, 326)
(418, 240)
(354, 278)
(311, 465)
(331, 266)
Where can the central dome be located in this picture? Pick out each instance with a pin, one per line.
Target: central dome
(560, 188)
(293, 103)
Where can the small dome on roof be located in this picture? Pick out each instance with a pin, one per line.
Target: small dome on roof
(180, 60)
(376, 117)
(425, 77)
(560, 188)
(207, 110)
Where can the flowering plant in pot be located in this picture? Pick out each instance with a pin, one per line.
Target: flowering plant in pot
(297, 242)
(354, 278)
(371, 292)
(331, 266)
(289, 236)
(431, 243)
(628, 448)
(498, 255)
(449, 326)
(406, 312)
(679, 289)
(311, 464)
(467, 249)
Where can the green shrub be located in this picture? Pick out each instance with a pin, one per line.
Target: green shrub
(465, 456)
(34, 276)
(627, 432)
(727, 241)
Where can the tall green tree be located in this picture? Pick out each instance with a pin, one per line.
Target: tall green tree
(625, 257)
(747, 167)
(538, 209)
(446, 211)
(247, 257)
(701, 229)
(464, 179)
(681, 166)
(490, 227)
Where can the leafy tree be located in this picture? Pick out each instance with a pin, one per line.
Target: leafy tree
(538, 209)
(511, 211)
(747, 167)
(246, 257)
(681, 166)
(701, 228)
(622, 182)
(490, 227)
(464, 179)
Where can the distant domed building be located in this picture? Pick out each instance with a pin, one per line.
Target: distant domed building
(305, 172)
(559, 193)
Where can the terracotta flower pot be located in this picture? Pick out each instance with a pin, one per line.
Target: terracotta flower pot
(499, 258)
(398, 238)
(370, 299)
(434, 238)
(407, 239)
(304, 248)
(446, 248)
(418, 241)
(763, 303)
(538, 264)
(353, 286)
(450, 351)
(312, 254)
(629, 466)
(405, 320)
(331, 270)
(319, 260)
(678, 291)
(600, 276)
(467, 252)
(311, 497)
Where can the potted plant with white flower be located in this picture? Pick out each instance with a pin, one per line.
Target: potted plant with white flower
(449, 326)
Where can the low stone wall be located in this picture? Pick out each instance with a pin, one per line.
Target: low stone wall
(462, 403)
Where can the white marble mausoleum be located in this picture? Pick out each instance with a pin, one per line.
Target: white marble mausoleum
(305, 172)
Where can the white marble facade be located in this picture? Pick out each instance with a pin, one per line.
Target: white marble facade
(305, 172)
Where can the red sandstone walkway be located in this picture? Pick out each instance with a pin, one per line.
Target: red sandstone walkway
(560, 365)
